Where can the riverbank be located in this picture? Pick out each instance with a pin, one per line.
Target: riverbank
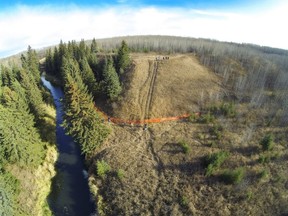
(35, 185)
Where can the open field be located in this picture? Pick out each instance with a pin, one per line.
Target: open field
(163, 88)
(162, 171)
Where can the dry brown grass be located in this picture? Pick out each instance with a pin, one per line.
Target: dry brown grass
(35, 184)
(159, 175)
(181, 83)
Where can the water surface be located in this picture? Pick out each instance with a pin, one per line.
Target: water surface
(70, 193)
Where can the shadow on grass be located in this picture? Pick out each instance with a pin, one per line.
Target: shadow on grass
(187, 168)
(247, 150)
(172, 148)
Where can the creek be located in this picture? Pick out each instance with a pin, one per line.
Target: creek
(70, 193)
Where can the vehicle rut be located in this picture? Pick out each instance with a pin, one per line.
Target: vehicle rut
(151, 90)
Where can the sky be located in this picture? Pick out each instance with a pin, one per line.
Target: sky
(44, 23)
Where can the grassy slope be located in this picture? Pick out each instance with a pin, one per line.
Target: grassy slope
(160, 179)
(179, 84)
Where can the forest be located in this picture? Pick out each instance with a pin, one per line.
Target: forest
(27, 130)
(253, 82)
(250, 74)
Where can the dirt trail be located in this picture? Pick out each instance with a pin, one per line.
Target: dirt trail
(154, 68)
(147, 89)
(159, 168)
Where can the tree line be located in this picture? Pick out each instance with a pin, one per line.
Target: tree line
(251, 74)
(22, 110)
(100, 72)
(85, 75)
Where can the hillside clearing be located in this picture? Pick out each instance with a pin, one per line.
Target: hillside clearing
(163, 88)
(162, 170)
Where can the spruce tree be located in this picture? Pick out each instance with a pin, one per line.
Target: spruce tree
(57, 62)
(94, 47)
(88, 76)
(81, 119)
(30, 62)
(15, 98)
(7, 76)
(33, 94)
(19, 140)
(123, 58)
(49, 63)
(92, 57)
(83, 50)
(1, 84)
(112, 85)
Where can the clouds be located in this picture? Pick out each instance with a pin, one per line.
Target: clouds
(46, 25)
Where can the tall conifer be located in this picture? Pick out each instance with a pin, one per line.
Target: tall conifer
(19, 140)
(123, 58)
(88, 76)
(111, 80)
(81, 119)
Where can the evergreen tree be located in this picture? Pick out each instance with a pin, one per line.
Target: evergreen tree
(70, 67)
(33, 94)
(88, 76)
(19, 141)
(93, 63)
(94, 47)
(57, 63)
(49, 63)
(1, 84)
(30, 62)
(62, 50)
(92, 57)
(83, 50)
(123, 58)
(7, 76)
(81, 119)
(111, 80)
(15, 98)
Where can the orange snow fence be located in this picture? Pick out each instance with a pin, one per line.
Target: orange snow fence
(145, 121)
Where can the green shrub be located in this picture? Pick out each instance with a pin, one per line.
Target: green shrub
(201, 136)
(184, 145)
(216, 131)
(228, 110)
(214, 161)
(212, 143)
(184, 201)
(264, 159)
(225, 109)
(210, 170)
(120, 173)
(102, 168)
(263, 174)
(279, 178)
(249, 195)
(206, 118)
(233, 176)
(193, 117)
(267, 142)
